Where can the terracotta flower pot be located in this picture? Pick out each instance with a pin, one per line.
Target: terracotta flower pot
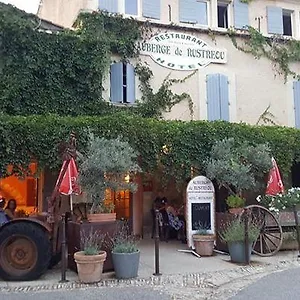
(90, 267)
(236, 210)
(204, 244)
(93, 218)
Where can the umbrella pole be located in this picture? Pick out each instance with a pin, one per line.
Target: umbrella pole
(71, 203)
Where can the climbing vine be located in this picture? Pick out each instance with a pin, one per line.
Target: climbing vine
(172, 147)
(281, 52)
(62, 72)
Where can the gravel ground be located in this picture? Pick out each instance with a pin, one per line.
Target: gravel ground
(197, 286)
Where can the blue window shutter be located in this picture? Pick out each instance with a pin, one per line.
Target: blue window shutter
(116, 82)
(275, 20)
(201, 11)
(296, 87)
(213, 97)
(241, 14)
(188, 11)
(130, 83)
(131, 7)
(109, 5)
(151, 9)
(224, 97)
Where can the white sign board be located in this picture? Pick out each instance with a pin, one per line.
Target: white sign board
(181, 51)
(200, 211)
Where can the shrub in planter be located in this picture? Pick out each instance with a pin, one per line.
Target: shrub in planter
(104, 167)
(125, 252)
(204, 241)
(91, 259)
(235, 204)
(234, 235)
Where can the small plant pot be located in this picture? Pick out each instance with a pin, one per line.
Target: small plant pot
(204, 244)
(97, 218)
(126, 265)
(236, 210)
(237, 252)
(90, 267)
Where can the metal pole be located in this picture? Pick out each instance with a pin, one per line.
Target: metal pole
(63, 251)
(297, 228)
(156, 242)
(246, 224)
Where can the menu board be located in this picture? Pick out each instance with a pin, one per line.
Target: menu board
(200, 213)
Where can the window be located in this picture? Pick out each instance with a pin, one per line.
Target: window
(151, 9)
(193, 12)
(287, 23)
(222, 15)
(217, 97)
(241, 14)
(122, 83)
(279, 21)
(131, 7)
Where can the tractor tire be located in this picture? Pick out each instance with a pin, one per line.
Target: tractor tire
(25, 251)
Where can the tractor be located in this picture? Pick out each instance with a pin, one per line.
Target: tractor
(29, 246)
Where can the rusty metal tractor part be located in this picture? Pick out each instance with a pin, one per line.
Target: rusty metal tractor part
(25, 251)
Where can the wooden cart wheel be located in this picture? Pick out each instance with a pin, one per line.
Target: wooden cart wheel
(270, 237)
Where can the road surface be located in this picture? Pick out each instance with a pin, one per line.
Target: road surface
(130, 293)
(277, 286)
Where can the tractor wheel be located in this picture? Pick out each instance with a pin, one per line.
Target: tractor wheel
(25, 251)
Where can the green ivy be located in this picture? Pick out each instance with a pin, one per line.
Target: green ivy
(171, 147)
(62, 73)
(280, 51)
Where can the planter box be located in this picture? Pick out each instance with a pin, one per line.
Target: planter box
(126, 264)
(237, 252)
(74, 237)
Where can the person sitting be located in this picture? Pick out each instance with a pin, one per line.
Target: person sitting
(10, 209)
(175, 222)
(3, 218)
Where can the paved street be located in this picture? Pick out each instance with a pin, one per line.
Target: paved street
(277, 286)
(128, 293)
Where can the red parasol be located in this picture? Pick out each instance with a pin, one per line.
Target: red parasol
(69, 183)
(275, 185)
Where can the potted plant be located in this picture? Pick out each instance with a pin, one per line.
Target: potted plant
(235, 204)
(104, 213)
(125, 253)
(91, 259)
(204, 241)
(234, 235)
(103, 168)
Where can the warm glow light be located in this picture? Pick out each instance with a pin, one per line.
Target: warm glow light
(127, 178)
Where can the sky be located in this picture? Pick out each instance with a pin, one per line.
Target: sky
(30, 6)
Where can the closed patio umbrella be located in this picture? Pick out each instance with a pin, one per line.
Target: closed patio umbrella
(275, 185)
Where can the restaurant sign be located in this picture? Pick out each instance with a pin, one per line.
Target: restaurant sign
(181, 51)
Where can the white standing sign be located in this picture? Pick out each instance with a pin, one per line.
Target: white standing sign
(200, 211)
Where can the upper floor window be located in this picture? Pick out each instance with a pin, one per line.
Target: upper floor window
(279, 21)
(223, 14)
(122, 83)
(241, 14)
(287, 22)
(151, 9)
(193, 11)
(129, 7)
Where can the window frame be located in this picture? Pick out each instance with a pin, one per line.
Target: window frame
(288, 12)
(229, 13)
(208, 13)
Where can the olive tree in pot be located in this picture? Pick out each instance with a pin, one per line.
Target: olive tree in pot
(91, 259)
(125, 252)
(104, 167)
(238, 167)
(204, 240)
(234, 235)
